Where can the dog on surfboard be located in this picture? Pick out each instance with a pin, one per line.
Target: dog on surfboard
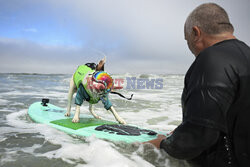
(92, 84)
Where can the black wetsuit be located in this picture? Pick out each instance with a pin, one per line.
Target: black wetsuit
(215, 130)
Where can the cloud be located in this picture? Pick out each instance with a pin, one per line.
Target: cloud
(27, 56)
(146, 27)
(148, 30)
(136, 35)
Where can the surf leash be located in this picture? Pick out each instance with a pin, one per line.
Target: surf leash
(122, 95)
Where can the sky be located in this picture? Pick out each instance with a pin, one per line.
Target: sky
(136, 36)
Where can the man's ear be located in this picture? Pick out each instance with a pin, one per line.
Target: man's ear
(197, 33)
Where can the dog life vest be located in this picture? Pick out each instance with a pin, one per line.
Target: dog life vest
(81, 77)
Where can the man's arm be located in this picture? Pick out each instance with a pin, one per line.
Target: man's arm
(187, 141)
(211, 85)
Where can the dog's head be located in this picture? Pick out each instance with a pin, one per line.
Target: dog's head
(100, 83)
(103, 78)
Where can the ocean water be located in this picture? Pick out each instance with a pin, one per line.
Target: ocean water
(25, 143)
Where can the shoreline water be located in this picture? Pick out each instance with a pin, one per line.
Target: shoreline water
(25, 143)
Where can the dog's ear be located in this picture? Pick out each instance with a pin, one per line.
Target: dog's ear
(91, 65)
(100, 66)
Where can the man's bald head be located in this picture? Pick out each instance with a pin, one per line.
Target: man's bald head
(210, 18)
(206, 25)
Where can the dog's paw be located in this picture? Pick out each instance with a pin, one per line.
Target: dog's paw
(75, 119)
(67, 114)
(98, 117)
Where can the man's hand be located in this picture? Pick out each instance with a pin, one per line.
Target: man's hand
(156, 142)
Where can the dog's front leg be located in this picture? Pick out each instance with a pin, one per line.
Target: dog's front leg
(117, 117)
(77, 114)
(91, 109)
(72, 90)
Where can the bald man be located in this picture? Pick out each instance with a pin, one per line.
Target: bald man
(215, 130)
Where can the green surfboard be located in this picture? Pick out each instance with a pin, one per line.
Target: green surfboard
(88, 125)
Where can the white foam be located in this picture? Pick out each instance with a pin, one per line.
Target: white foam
(16, 103)
(3, 101)
(31, 149)
(94, 151)
(8, 157)
(102, 153)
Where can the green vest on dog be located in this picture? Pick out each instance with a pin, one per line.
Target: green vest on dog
(83, 89)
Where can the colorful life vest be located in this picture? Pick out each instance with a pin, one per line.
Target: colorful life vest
(81, 76)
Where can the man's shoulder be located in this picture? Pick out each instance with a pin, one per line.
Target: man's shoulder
(230, 47)
(222, 53)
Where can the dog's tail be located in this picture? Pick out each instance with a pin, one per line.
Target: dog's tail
(100, 66)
